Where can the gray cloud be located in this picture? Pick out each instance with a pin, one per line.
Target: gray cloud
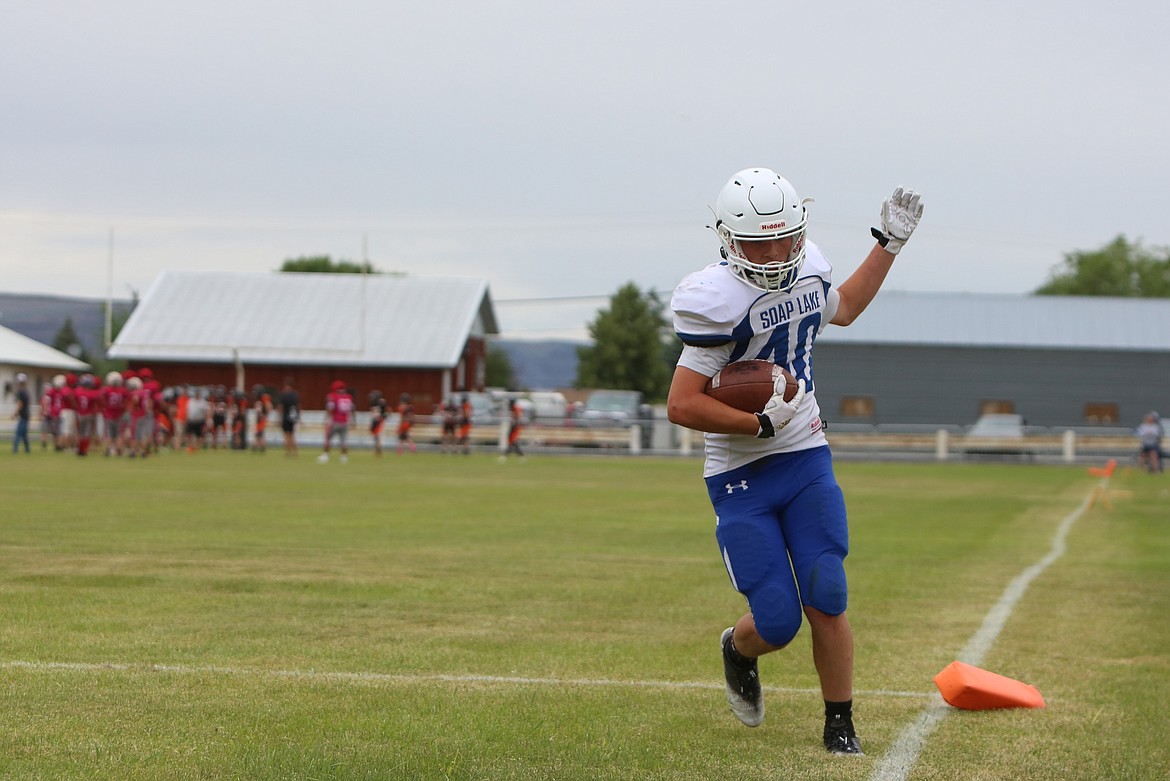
(564, 150)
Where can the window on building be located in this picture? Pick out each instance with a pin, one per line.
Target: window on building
(857, 407)
(1101, 412)
(996, 407)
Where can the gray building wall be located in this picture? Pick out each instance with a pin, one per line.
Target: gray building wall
(946, 385)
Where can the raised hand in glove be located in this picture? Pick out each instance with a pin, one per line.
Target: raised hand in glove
(900, 215)
(778, 413)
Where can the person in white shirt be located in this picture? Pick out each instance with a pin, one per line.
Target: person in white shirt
(1149, 433)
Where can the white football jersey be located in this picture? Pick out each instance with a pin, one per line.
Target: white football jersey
(722, 319)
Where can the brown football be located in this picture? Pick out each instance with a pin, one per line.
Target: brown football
(748, 385)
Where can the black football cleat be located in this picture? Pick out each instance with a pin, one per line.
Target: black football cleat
(840, 738)
(743, 686)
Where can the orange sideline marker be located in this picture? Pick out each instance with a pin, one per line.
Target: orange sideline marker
(1105, 471)
(972, 688)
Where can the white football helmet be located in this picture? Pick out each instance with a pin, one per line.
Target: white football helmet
(114, 378)
(758, 204)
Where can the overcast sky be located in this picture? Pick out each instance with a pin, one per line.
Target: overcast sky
(561, 150)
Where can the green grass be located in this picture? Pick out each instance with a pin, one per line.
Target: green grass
(229, 615)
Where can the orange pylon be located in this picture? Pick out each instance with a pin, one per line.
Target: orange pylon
(971, 688)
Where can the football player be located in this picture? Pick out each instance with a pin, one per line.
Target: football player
(142, 404)
(340, 410)
(405, 423)
(379, 411)
(87, 402)
(780, 515)
(262, 407)
(114, 398)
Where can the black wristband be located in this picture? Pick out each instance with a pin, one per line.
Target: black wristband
(882, 238)
(767, 430)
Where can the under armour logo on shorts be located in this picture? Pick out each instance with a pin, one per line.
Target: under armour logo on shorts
(731, 487)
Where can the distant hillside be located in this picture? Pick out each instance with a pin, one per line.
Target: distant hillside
(41, 317)
(550, 365)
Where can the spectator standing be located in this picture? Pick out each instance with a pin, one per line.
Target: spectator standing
(290, 414)
(23, 403)
(198, 408)
(1149, 433)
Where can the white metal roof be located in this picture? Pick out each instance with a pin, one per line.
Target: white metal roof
(19, 350)
(305, 318)
(1002, 320)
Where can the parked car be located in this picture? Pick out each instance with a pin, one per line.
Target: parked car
(484, 409)
(615, 408)
(998, 424)
(996, 434)
(548, 406)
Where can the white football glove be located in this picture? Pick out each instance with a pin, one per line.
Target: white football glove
(900, 215)
(778, 413)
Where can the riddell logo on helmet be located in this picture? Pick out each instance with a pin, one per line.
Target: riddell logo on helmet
(768, 226)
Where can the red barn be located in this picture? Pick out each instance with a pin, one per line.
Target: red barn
(426, 336)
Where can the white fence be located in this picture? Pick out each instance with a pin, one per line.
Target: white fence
(660, 437)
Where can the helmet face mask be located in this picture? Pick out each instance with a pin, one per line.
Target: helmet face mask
(757, 204)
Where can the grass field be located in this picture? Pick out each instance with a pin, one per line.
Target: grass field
(231, 615)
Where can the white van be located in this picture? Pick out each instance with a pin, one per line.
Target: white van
(548, 405)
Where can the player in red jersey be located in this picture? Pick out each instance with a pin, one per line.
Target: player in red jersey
(115, 396)
(87, 403)
(154, 387)
(68, 422)
(51, 412)
(339, 412)
(142, 404)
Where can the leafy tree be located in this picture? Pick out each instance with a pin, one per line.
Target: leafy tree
(1120, 268)
(118, 317)
(68, 342)
(629, 350)
(498, 372)
(323, 264)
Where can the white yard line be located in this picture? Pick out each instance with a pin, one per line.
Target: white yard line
(392, 678)
(902, 755)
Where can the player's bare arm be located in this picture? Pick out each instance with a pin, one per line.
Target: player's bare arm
(862, 285)
(899, 217)
(687, 405)
(689, 401)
